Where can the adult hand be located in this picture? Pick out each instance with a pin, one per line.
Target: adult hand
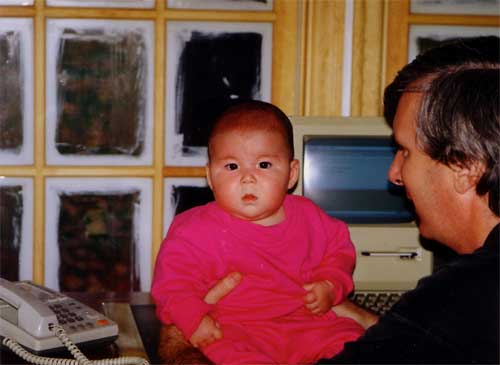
(208, 332)
(173, 348)
(349, 309)
(223, 287)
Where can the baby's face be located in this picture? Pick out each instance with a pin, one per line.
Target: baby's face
(250, 174)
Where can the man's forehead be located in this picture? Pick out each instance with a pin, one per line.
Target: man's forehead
(406, 114)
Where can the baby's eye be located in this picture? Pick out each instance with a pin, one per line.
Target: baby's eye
(231, 166)
(265, 165)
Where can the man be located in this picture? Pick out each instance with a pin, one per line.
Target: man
(446, 123)
(444, 111)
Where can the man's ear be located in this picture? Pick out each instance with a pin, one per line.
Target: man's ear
(467, 177)
(294, 173)
(207, 175)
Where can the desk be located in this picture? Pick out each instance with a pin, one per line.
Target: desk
(161, 344)
(142, 320)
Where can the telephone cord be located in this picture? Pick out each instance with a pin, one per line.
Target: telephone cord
(80, 359)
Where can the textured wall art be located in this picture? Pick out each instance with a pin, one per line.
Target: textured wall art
(98, 234)
(16, 228)
(103, 3)
(209, 67)
(99, 92)
(181, 194)
(16, 91)
(423, 37)
(16, 2)
(463, 7)
(221, 4)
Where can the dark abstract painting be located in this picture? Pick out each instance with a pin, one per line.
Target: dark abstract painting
(215, 69)
(221, 4)
(11, 108)
(99, 91)
(97, 246)
(11, 213)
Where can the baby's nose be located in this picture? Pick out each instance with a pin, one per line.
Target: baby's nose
(248, 177)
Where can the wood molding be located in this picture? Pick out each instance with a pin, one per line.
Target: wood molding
(397, 37)
(323, 57)
(285, 51)
(367, 64)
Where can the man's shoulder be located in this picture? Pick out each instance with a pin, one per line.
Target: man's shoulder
(467, 288)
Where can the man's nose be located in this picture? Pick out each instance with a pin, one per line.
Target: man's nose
(394, 174)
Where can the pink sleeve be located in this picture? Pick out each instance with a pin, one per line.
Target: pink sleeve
(179, 285)
(339, 259)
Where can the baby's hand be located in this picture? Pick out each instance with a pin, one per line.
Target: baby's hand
(207, 332)
(319, 298)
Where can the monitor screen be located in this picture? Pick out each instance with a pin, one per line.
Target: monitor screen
(347, 177)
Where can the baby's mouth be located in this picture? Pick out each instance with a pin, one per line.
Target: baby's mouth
(248, 198)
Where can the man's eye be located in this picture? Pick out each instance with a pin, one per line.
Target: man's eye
(231, 166)
(265, 165)
(402, 151)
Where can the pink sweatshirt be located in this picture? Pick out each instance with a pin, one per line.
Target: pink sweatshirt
(263, 319)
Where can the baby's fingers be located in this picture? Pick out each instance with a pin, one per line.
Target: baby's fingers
(309, 298)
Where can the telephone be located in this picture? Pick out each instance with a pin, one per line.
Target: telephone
(39, 319)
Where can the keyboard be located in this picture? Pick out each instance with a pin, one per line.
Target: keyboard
(376, 302)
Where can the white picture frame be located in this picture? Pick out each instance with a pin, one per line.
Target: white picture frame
(443, 33)
(141, 227)
(26, 239)
(456, 7)
(181, 33)
(221, 4)
(107, 29)
(135, 4)
(169, 198)
(24, 28)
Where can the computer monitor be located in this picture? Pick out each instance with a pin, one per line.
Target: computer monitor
(344, 163)
(347, 177)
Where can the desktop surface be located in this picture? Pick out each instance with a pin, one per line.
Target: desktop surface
(146, 323)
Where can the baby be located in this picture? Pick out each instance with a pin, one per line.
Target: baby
(295, 260)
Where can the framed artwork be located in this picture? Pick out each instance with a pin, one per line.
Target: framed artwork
(422, 37)
(16, 100)
(459, 7)
(181, 194)
(210, 66)
(16, 228)
(221, 4)
(98, 234)
(16, 2)
(99, 92)
(103, 4)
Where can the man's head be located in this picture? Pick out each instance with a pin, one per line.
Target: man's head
(469, 52)
(251, 165)
(458, 125)
(446, 122)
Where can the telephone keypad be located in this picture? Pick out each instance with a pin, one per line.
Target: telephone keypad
(73, 317)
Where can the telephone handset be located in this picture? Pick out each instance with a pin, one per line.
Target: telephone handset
(40, 319)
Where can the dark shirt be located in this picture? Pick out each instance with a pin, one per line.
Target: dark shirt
(452, 316)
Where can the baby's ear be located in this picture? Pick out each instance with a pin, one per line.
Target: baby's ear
(294, 173)
(207, 175)
(467, 177)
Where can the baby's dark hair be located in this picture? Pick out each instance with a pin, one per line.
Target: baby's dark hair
(252, 115)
